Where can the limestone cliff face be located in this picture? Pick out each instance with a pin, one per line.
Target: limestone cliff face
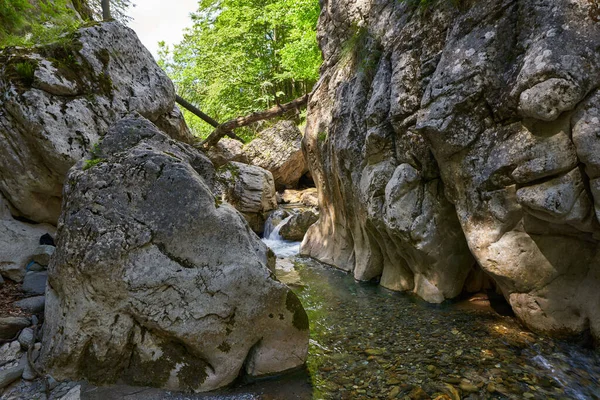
(445, 138)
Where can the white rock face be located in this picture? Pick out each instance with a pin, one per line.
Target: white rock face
(435, 144)
(59, 100)
(250, 189)
(156, 283)
(18, 243)
(279, 150)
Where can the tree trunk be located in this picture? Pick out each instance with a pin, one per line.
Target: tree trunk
(106, 10)
(228, 126)
(196, 111)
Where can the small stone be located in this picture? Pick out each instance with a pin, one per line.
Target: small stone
(8, 376)
(26, 338)
(35, 282)
(10, 326)
(28, 373)
(35, 267)
(10, 351)
(394, 392)
(52, 383)
(42, 254)
(491, 388)
(528, 395)
(418, 394)
(374, 352)
(33, 304)
(468, 387)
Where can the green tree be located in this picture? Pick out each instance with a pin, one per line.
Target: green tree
(242, 56)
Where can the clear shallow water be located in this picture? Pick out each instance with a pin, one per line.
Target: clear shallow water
(368, 342)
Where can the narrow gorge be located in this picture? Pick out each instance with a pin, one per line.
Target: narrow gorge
(428, 228)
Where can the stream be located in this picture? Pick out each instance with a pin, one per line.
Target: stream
(371, 343)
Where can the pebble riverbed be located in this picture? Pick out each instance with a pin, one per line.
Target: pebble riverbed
(368, 342)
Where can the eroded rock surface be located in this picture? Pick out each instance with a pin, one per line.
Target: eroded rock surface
(58, 101)
(250, 189)
(279, 150)
(445, 136)
(19, 241)
(154, 282)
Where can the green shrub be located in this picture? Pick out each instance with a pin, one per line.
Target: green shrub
(26, 70)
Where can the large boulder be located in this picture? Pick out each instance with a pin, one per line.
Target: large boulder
(155, 282)
(226, 150)
(440, 133)
(295, 227)
(279, 150)
(58, 101)
(250, 189)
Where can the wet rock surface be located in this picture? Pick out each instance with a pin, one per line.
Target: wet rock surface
(161, 287)
(451, 136)
(371, 343)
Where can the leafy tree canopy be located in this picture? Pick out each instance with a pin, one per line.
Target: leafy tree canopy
(242, 56)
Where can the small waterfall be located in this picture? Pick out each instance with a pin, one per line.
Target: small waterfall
(274, 235)
(272, 238)
(275, 219)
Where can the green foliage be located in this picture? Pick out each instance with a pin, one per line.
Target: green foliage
(25, 23)
(40, 22)
(242, 56)
(26, 70)
(87, 164)
(361, 50)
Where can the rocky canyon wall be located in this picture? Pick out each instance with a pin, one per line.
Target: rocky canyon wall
(447, 139)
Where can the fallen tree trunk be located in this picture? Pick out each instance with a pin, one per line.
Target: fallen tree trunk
(223, 129)
(206, 118)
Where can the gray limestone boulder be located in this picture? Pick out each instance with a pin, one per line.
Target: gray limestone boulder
(250, 189)
(10, 326)
(296, 226)
(58, 101)
(155, 282)
(279, 150)
(227, 150)
(458, 136)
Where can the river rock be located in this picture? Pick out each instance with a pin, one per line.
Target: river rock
(18, 243)
(279, 150)
(250, 189)
(26, 338)
(10, 352)
(156, 283)
(33, 304)
(58, 101)
(9, 375)
(227, 150)
(435, 143)
(10, 326)
(42, 255)
(295, 228)
(34, 283)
